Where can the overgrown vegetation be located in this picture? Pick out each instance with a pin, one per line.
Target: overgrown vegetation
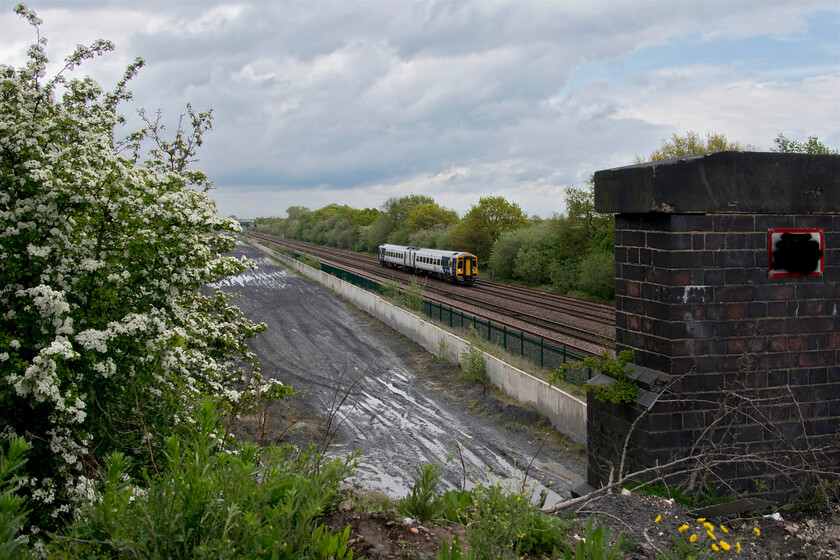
(623, 388)
(411, 296)
(472, 361)
(502, 520)
(211, 498)
(310, 261)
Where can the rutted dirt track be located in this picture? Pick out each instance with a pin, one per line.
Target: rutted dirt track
(402, 411)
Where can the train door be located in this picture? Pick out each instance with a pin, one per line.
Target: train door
(467, 267)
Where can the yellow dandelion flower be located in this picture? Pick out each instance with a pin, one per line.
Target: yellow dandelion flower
(725, 545)
(715, 547)
(683, 528)
(738, 547)
(757, 531)
(711, 535)
(724, 529)
(658, 519)
(692, 538)
(701, 519)
(709, 526)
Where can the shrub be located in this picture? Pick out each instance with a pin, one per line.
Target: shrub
(108, 333)
(533, 265)
(212, 502)
(472, 362)
(565, 275)
(413, 296)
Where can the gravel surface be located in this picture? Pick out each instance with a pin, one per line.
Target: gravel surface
(404, 409)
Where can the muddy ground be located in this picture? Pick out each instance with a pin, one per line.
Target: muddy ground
(403, 408)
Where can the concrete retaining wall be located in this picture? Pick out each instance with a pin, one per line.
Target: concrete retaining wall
(566, 412)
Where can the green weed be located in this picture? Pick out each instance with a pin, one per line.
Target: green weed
(472, 361)
(212, 502)
(13, 512)
(596, 545)
(424, 503)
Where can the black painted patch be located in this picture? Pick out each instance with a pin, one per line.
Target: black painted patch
(795, 252)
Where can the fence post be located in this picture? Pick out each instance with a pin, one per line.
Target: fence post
(542, 352)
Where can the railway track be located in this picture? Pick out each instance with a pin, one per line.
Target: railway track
(586, 326)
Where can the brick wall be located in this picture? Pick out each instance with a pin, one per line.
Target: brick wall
(752, 361)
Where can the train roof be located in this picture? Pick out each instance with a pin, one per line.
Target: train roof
(422, 251)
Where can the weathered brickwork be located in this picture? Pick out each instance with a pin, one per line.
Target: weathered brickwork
(753, 360)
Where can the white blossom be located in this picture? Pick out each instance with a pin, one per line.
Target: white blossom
(102, 261)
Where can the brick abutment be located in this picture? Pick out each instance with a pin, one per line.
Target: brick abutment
(728, 292)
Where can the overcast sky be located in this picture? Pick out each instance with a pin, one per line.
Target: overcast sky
(319, 102)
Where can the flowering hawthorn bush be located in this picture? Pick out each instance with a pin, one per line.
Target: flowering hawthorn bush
(107, 336)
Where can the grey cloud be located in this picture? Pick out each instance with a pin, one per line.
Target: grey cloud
(320, 97)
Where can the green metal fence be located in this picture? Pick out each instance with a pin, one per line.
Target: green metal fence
(536, 350)
(354, 279)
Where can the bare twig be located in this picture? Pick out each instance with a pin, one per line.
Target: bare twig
(528, 469)
(145, 431)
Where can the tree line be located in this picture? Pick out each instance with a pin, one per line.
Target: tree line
(567, 253)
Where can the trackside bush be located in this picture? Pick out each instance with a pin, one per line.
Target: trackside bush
(473, 364)
(597, 275)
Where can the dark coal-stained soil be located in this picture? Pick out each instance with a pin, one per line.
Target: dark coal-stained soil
(403, 408)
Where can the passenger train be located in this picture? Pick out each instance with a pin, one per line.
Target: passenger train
(453, 266)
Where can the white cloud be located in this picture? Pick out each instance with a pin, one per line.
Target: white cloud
(746, 110)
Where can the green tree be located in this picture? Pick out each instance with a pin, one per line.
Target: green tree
(484, 223)
(597, 275)
(692, 143)
(503, 255)
(436, 237)
(376, 233)
(427, 216)
(297, 212)
(811, 146)
(400, 208)
(582, 238)
(108, 332)
(399, 211)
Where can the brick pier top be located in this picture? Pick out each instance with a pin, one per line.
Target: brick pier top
(723, 182)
